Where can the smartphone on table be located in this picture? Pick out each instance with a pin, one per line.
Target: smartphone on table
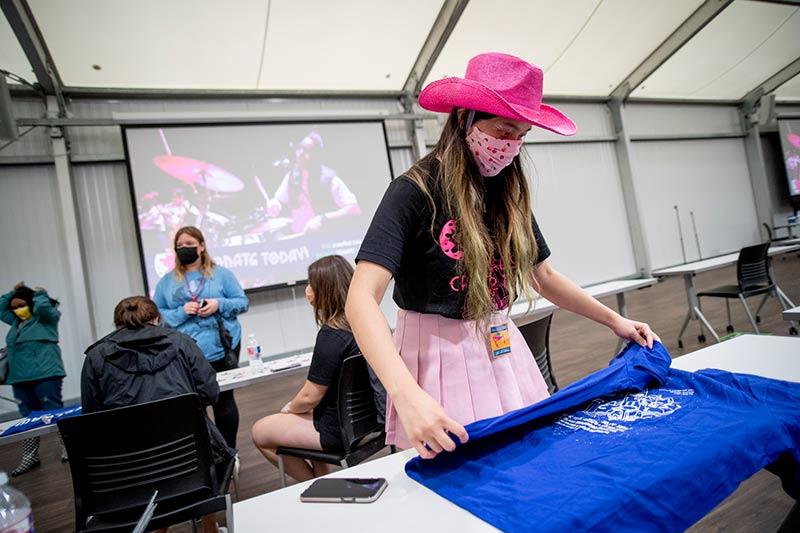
(344, 490)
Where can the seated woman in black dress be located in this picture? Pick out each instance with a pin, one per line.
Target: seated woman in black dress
(310, 419)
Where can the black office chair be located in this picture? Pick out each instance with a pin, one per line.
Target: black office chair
(119, 457)
(754, 277)
(537, 335)
(770, 234)
(362, 433)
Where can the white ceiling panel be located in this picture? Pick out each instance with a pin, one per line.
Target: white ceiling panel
(789, 90)
(12, 58)
(181, 44)
(345, 44)
(535, 30)
(745, 45)
(586, 47)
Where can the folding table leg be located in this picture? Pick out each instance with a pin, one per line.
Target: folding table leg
(683, 328)
(700, 316)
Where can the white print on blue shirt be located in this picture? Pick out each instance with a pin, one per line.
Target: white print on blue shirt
(610, 416)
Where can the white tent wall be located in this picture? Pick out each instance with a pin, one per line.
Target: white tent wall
(693, 157)
(29, 211)
(34, 251)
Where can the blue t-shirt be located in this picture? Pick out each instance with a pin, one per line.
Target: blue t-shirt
(636, 446)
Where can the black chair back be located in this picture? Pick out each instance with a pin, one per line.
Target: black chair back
(119, 457)
(537, 336)
(358, 416)
(752, 268)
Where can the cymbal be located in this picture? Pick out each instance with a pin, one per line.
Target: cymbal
(196, 172)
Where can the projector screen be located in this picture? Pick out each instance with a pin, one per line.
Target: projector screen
(790, 143)
(269, 198)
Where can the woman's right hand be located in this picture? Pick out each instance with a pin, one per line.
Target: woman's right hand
(191, 308)
(427, 426)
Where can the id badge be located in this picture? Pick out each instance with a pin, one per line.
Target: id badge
(499, 340)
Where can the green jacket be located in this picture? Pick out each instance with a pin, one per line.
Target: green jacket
(32, 344)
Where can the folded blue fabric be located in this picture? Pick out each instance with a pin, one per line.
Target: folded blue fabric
(42, 418)
(636, 446)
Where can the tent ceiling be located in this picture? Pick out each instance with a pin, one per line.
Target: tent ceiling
(356, 45)
(204, 44)
(586, 47)
(12, 57)
(745, 45)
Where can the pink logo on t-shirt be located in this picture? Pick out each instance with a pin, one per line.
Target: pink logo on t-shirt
(446, 242)
(497, 276)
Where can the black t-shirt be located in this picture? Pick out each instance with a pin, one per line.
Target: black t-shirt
(332, 347)
(426, 273)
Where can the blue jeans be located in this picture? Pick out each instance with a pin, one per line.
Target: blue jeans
(39, 395)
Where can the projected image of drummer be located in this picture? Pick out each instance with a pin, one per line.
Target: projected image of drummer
(311, 193)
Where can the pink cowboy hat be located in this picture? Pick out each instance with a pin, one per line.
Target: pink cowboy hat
(500, 84)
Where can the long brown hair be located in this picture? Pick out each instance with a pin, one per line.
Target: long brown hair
(135, 312)
(205, 258)
(330, 278)
(510, 237)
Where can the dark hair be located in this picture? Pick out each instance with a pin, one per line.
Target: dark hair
(26, 293)
(135, 312)
(330, 278)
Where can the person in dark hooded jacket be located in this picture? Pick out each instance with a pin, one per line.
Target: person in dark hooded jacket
(143, 362)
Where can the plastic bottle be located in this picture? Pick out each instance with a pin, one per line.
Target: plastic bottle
(254, 355)
(15, 509)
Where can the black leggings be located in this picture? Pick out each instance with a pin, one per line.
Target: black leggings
(226, 413)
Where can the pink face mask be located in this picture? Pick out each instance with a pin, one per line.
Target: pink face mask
(492, 155)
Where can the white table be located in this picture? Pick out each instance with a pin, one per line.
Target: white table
(407, 505)
(544, 307)
(228, 380)
(792, 315)
(689, 270)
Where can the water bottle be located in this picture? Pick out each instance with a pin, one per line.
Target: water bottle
(15, 509)
(254, 355)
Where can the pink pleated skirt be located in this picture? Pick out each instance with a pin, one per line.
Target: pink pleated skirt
(453, 363)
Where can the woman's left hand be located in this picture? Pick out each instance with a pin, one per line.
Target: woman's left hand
(639, 332)
(211, 307)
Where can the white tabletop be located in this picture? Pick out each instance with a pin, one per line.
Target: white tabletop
(763, 355)
(792, 314)
(406, 504)
(715, 262)
(544, 306)
(403, 508)
(244, 376)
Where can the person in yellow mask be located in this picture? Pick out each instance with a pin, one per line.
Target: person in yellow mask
(35, 368)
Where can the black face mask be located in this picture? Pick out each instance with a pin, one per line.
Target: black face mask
(187, 254)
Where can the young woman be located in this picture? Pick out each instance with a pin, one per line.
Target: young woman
(192, 298)
(35, 369)
(310, 419)
(457, 235)
(142, 362)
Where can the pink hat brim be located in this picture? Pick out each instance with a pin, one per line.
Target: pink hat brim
(443, 95)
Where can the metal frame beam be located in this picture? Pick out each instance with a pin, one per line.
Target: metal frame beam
(21, 19)
(442, 28)
(155, 119)
(690, 27)
(788, 72)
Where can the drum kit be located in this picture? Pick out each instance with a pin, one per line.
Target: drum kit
(211, 182)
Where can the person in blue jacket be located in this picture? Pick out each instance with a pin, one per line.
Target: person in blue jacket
(193, 298)
(35, 369)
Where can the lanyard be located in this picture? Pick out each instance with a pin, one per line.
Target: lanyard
(200, 284)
